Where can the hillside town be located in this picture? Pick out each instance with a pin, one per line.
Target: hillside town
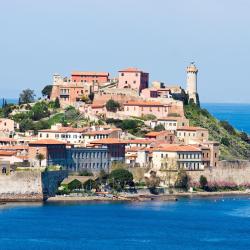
(125, 121)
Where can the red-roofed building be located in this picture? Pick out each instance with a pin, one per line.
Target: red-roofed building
(177, 157)
(164, 135)
(91, 77)
(133, 78)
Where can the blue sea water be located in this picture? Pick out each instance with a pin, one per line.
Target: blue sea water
(208, 223)
(236, 114)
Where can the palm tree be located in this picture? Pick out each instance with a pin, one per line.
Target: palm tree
(40, 157)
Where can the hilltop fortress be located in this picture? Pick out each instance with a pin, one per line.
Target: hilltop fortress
(130, 85)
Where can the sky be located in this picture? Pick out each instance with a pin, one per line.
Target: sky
(43, 37)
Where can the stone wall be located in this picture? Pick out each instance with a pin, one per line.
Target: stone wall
(237, 172)
(30, 185)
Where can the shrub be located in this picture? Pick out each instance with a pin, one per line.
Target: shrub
(228, 127)
(182, 180)
(152, 182)
(159, 127)
(203, 182)
(112, 105)
(225, 141)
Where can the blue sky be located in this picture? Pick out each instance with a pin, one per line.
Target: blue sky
(39, 38)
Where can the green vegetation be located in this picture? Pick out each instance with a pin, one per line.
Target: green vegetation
(203, 182)
(112, 105)
(118, 178)
(47, 91)
(233, 143)
(133, 126)
(182, 180)
(159, 127)
(152, 182)
(27, 96)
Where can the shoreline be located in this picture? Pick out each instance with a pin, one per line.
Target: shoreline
(130, 198)
(141, 198)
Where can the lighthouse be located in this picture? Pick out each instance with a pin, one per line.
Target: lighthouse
(192, 83)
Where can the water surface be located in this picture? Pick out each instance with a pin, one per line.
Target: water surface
(208, 223)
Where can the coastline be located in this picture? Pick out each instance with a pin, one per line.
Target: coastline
(141, 198)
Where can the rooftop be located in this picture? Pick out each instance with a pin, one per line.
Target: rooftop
(187, 128)
(47, 142)
(131, 69)
(89, 73)
(107, 141)
(178, 148)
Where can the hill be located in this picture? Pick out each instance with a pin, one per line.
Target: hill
(234, 144)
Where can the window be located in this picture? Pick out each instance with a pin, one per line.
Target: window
(122, 74)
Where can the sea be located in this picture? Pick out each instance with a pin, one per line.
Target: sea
(190, 223)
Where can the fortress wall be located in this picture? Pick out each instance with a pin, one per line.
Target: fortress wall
(237, 172)
(30, 185)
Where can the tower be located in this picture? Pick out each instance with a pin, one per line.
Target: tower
(192, 82)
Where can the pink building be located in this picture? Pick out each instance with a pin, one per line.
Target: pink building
(141, 108)
(93, 77)
(133, 78)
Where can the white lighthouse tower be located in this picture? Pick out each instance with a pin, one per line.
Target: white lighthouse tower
(192, 82)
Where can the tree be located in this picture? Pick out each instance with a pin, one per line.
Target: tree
(118, 178)
(57, 103)
(159, 127)
(40, 110)
(225, 141)
(182, 180)
(91, 96)
(27, 96)
(26, 124)
(47, 91)
(40, 157)
(90, 184)
(75, 184)
(152, 182)
(112, 105)
(203, 181)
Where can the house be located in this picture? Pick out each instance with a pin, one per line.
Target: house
(176, 157)
(53, 152)
(165, 136)
(142, 108)
(133, 78)
(170, 123)
(90, 77)
(192, 135)
(66, 134)
(139, 142)
(8, 127)
(93, 135)
(139, 157)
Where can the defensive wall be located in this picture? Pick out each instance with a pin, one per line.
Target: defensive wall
(30, 185)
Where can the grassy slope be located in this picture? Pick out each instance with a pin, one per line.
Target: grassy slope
(238, 149)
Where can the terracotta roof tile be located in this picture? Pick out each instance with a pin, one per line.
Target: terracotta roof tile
(47, 142)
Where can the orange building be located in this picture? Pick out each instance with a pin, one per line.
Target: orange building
(93, 77)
